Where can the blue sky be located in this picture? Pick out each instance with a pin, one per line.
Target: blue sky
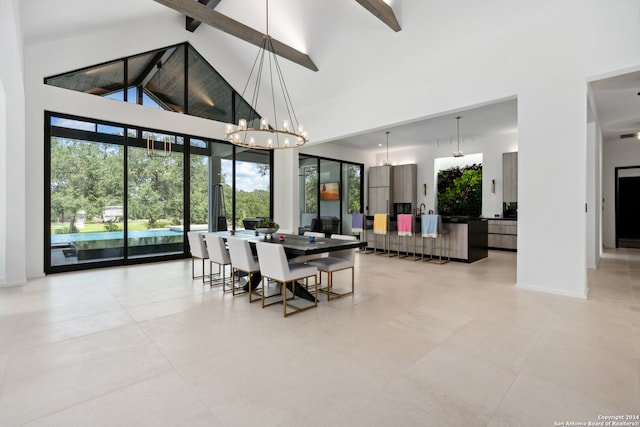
(248, 177)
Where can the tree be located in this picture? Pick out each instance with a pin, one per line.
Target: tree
(155, 186)
(460, 191)
(353, 188)
(84, 176)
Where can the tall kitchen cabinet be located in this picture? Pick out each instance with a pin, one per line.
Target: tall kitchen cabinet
(405, 188)
(380, 189)
(510, 177)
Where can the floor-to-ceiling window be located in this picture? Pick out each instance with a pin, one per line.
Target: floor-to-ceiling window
(329, 192)
(155, 195)
(352, 190)
(199, 183)
(308, 189)
(252, 187)
(117, 194)
(86, 192)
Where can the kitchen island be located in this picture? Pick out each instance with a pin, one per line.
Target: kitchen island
(469, 239)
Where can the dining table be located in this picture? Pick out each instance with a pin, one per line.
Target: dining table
(294, 246)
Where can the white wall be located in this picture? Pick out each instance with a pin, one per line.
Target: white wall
(594, 200)
(617, 153)
(12, 149)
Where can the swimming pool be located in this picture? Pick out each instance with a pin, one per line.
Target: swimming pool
(112, 235)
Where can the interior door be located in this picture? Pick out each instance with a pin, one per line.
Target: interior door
(628, 212)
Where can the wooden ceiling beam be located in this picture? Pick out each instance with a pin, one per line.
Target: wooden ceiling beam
(221, 22)
(193, 24)
(382, 11)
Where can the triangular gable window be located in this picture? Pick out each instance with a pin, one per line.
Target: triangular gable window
(160, 79)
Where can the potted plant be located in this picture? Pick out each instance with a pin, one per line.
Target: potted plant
(267, 227)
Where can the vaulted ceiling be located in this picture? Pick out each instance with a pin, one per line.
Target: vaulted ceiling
(316, 30)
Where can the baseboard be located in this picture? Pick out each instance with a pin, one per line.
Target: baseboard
(554, 291)
(4, 284)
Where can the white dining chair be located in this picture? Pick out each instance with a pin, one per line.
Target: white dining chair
(337, 261)
(198, 250)
(242, 260)
(275, 266)
(218, 254)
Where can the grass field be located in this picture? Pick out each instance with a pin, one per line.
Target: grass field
(98, 227)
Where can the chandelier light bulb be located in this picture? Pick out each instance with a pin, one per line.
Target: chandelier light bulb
(264, 123)
(242, 124)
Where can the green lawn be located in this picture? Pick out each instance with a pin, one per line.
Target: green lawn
(98, 227)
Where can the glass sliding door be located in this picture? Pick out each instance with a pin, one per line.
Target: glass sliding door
(221, 191)
(155, 195)
(252, 185)
(329, 192)
(119, 194)
(308, 192)
(199, 185)
(330, 196)
(352, 189)
(86, 193)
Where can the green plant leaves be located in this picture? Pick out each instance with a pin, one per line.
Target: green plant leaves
(460, 191)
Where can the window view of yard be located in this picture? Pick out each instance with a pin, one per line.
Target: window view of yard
(87, 192)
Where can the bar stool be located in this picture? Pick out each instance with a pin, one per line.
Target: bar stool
(405, 229)
(359, 225)
(432, 229)
(381, 227)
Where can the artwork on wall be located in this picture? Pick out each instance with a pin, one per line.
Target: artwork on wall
(460, 191)
(330, 191)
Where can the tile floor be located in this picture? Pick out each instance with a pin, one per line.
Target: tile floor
(419, 344)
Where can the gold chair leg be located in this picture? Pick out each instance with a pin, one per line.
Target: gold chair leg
(389, 253)
(252, 290)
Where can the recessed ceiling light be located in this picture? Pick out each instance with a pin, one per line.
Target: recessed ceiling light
(379, 145)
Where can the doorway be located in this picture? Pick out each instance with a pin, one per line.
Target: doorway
(627, 207)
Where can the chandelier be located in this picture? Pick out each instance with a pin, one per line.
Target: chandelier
(255, 131)
(458, 153)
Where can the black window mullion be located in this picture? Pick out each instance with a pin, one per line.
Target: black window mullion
(125, 194)
(186, 172)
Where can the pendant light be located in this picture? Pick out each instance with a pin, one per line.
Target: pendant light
(458, 153)
(387, 162)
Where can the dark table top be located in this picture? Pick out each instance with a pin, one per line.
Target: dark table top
(295, 245)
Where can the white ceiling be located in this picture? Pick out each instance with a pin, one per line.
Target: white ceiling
(477, 122)
(617, 104)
